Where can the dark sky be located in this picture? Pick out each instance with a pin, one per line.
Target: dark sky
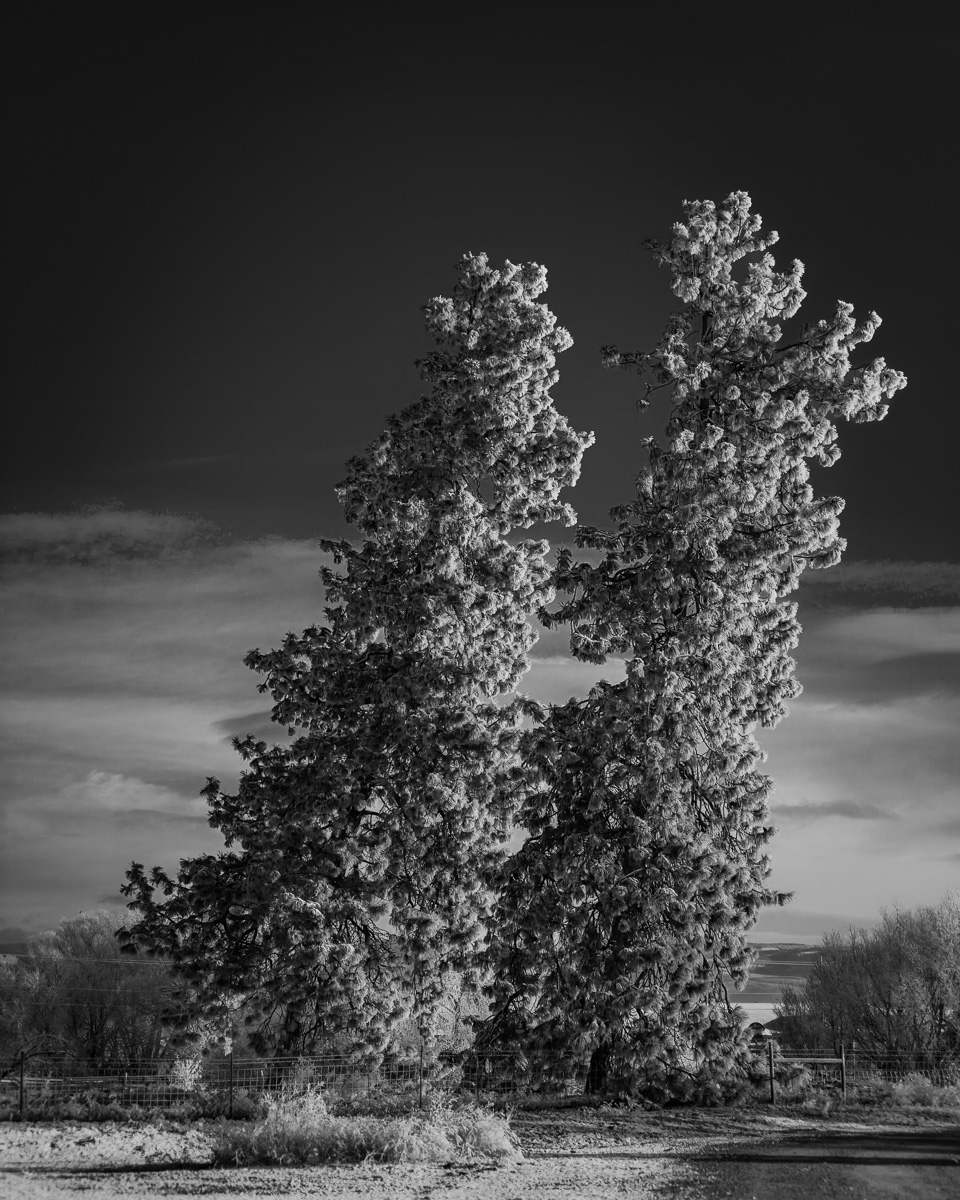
(222, 220)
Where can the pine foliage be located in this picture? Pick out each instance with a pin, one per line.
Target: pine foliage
(646, 860)
(361, 854)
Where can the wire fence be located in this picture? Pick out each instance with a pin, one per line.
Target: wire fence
(231, 1086)
(224, 1084)
(942, 1070)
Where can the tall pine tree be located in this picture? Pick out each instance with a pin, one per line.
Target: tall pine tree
(646, 863)
(362, 853)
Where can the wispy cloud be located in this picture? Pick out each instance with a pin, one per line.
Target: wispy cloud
(886, 584)
(866, 766)
(63, 847)
(124, 637)
(258, 725)
(101, 535)
(852, 810)
(949, 828)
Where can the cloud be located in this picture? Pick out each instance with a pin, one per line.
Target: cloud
(881, 655)
(556, 679)
(64, 848)
(258, 725)
(866, 766)
(108, 792)
(933, 673)
(891, 770)
(883, 584)
(166, 622)
(123, 642)
(854, 810)
(551, 643)
(102, 796)
(101, 535)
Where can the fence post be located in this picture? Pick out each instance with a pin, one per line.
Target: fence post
(230, 1091)
(420, 1076)
(21, 1084)
(843, 1073)
(773, 1085)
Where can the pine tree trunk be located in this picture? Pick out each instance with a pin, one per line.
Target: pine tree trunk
(599, 1070)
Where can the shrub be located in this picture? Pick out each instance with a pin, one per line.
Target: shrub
(917, 1090)
(471, 1129)
(186, 1074)
(870, 1087)
(299, 1129)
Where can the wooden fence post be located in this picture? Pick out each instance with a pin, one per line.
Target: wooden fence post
(21, 1084)
(420, 1083)
(773, 1084)
(230, 1092)
(843, 1073)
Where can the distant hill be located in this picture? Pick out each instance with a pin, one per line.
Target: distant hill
(13, 947)
(779, 965)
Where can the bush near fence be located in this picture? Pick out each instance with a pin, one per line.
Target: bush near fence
(942, 1070)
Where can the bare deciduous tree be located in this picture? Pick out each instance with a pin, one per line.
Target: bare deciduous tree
(894, 989)
(73, 993)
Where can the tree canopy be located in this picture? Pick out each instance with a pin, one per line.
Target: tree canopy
(365, 860)
(364, 850)
(626, 911)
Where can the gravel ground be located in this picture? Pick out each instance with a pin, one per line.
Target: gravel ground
(584, 1155)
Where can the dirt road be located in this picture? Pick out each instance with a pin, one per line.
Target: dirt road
(874, 1165)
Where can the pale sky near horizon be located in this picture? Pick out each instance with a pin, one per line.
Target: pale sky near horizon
(222, 222)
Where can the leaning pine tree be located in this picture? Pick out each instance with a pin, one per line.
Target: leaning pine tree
(645, 865)
(360, 854)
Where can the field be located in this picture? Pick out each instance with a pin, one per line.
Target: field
(754, 1153)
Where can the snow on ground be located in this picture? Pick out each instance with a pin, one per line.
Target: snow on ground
(568, 1155)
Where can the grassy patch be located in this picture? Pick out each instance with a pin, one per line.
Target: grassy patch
(816, 1097)
(916, 1091)
(299, 1129)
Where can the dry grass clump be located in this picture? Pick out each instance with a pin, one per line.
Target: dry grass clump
(299, 1129)
(868, 1089)
(916, 1090)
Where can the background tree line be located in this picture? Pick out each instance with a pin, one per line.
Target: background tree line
(893, 989)
(73, 992)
